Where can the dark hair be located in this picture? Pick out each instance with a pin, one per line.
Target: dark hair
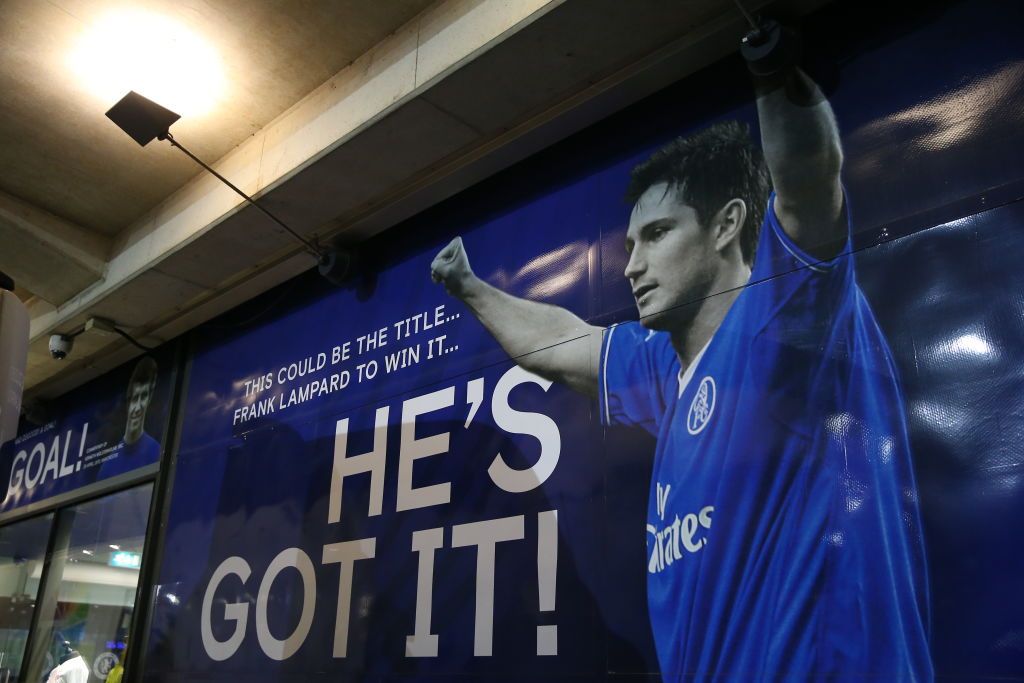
(708, 169)
(144, 372)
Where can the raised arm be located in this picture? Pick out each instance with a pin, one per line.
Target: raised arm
(804, 156)
(546, 340)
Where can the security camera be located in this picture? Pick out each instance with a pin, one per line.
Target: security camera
(60, 345)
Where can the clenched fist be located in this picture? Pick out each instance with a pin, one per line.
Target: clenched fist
(451, 268)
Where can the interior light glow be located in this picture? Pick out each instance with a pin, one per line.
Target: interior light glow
(114, 546)
(151, 54)
(87, 552)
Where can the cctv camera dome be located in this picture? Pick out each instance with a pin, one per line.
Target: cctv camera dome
(60, 346)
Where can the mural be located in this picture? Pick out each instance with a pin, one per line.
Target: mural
(722, 388)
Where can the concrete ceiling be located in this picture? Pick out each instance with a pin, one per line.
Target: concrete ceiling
(57, 141)
(344, 117)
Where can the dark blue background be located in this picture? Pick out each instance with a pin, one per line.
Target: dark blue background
(929, 103)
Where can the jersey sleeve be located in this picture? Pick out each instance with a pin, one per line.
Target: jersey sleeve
(636, 373)
(777, 254)
(801, 304)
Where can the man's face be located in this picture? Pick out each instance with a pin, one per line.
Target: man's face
(138, 402)
(672, 259)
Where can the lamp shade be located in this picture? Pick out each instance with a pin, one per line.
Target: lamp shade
(141, 118)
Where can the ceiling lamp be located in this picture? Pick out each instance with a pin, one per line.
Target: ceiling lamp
(144, 120)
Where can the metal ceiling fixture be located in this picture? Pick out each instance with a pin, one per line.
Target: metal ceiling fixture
(769, 47)
(62, 344)
(144, 120)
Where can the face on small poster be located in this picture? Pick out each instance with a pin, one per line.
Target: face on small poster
(108, 427)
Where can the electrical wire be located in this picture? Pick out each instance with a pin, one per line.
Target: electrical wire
(132, 340)
(746, 15)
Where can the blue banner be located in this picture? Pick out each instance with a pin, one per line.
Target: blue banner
(108, 427)
(546, 434)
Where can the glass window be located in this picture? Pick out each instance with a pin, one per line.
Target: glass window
(22, 551)
(87, 604)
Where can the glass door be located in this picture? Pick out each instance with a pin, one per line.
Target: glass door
(22, 552)
(91, 583)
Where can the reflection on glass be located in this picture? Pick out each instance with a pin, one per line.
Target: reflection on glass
(22, 548)
(89, 599)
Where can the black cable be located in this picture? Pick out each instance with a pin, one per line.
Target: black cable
(746, 15)
(132, 339)
(311, 248)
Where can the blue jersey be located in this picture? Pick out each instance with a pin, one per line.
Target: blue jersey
(127, 457)
(783, 531)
